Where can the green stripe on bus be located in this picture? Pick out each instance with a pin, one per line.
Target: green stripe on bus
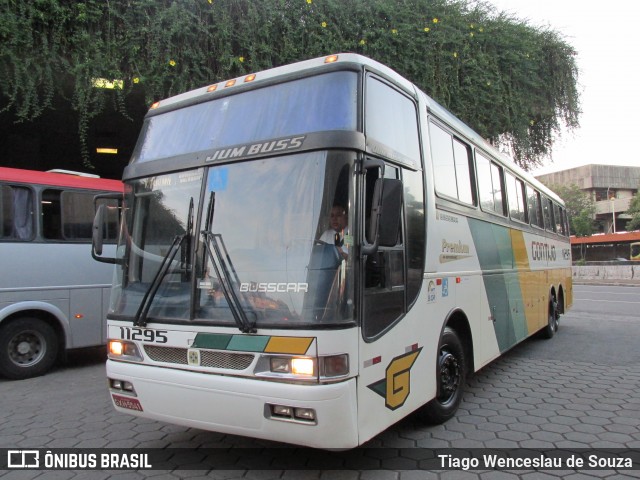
(220, 341)
(214, 341)
(495, 253)
(248, 343)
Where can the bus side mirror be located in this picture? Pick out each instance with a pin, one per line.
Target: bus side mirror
(386, 212)
(97, 232)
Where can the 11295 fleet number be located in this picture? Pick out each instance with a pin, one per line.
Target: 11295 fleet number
(143, 335)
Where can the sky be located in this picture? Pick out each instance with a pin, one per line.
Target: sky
(606, 38)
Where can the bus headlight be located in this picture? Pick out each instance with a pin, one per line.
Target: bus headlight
(328, 367)
(293, 365)
(302, 366)
(122, 350)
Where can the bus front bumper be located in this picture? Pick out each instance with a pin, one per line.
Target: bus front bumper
(240, 406)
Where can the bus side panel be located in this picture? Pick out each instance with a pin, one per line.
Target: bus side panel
(550, 259)
(86, 316)
(520, 270)
(41, 265)
(63, 275)
(454, 255)
(502, 283)
(532, 284)
(397, 371)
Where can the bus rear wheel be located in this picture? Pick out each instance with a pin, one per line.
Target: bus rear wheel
(553, 321)
(451, 376)
(28, 348)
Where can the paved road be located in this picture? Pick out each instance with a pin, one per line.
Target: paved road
(579, 390)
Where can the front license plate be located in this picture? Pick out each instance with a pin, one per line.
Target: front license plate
(126, 402)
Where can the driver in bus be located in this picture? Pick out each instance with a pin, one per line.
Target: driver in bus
(335, 234)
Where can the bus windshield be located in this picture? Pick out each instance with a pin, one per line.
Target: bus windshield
(260, 246)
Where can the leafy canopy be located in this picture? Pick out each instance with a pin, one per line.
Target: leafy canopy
(634, 211)
(514, 83)
(581, 209)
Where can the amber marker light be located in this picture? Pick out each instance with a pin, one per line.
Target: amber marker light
(230, 83)
(331, 59)
(154, 105)
(212, 88)
(250, 78)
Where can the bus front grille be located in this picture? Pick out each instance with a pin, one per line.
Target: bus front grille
(208, 358)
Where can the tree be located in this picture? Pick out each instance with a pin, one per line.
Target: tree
(515, 84)
(580, 207)
(634, 211)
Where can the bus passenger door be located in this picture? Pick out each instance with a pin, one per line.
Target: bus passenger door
(384, 272)
(385, 355)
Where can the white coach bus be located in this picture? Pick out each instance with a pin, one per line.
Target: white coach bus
(310, 253)
(53, 296)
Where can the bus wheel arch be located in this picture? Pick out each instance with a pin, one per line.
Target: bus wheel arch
(458, 321)
(561, 303)
(30, 344)
(453, 365)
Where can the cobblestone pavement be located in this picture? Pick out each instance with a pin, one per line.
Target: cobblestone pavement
(579, 390)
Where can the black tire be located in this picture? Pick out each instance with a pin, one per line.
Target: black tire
(28, 348)
(553, 319)
(451, 377)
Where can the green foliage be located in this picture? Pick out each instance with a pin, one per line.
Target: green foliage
(513, 83)
(580, 207)
(634, 211)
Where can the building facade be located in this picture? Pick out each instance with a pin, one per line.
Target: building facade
(611, 187)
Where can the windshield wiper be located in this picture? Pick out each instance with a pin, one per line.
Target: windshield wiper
(140, 319)
(222, 272)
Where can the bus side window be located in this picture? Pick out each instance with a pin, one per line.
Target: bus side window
(547, 212)
(77, 215)
(490, 185)
(391, 119)
(535, 211)
(16, 213)
(451, 165)
(558, 219)
(66, 215)
(515, 192)
(51, 215)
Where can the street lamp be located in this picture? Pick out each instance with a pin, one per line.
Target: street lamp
(613, 213)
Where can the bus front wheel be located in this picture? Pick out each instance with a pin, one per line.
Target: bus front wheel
(28, 348)
(451, 375)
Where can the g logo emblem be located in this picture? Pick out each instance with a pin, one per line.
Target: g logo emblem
(396, 386)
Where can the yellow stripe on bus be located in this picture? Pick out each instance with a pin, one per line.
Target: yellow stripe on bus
(530, 282)
(292, 345)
